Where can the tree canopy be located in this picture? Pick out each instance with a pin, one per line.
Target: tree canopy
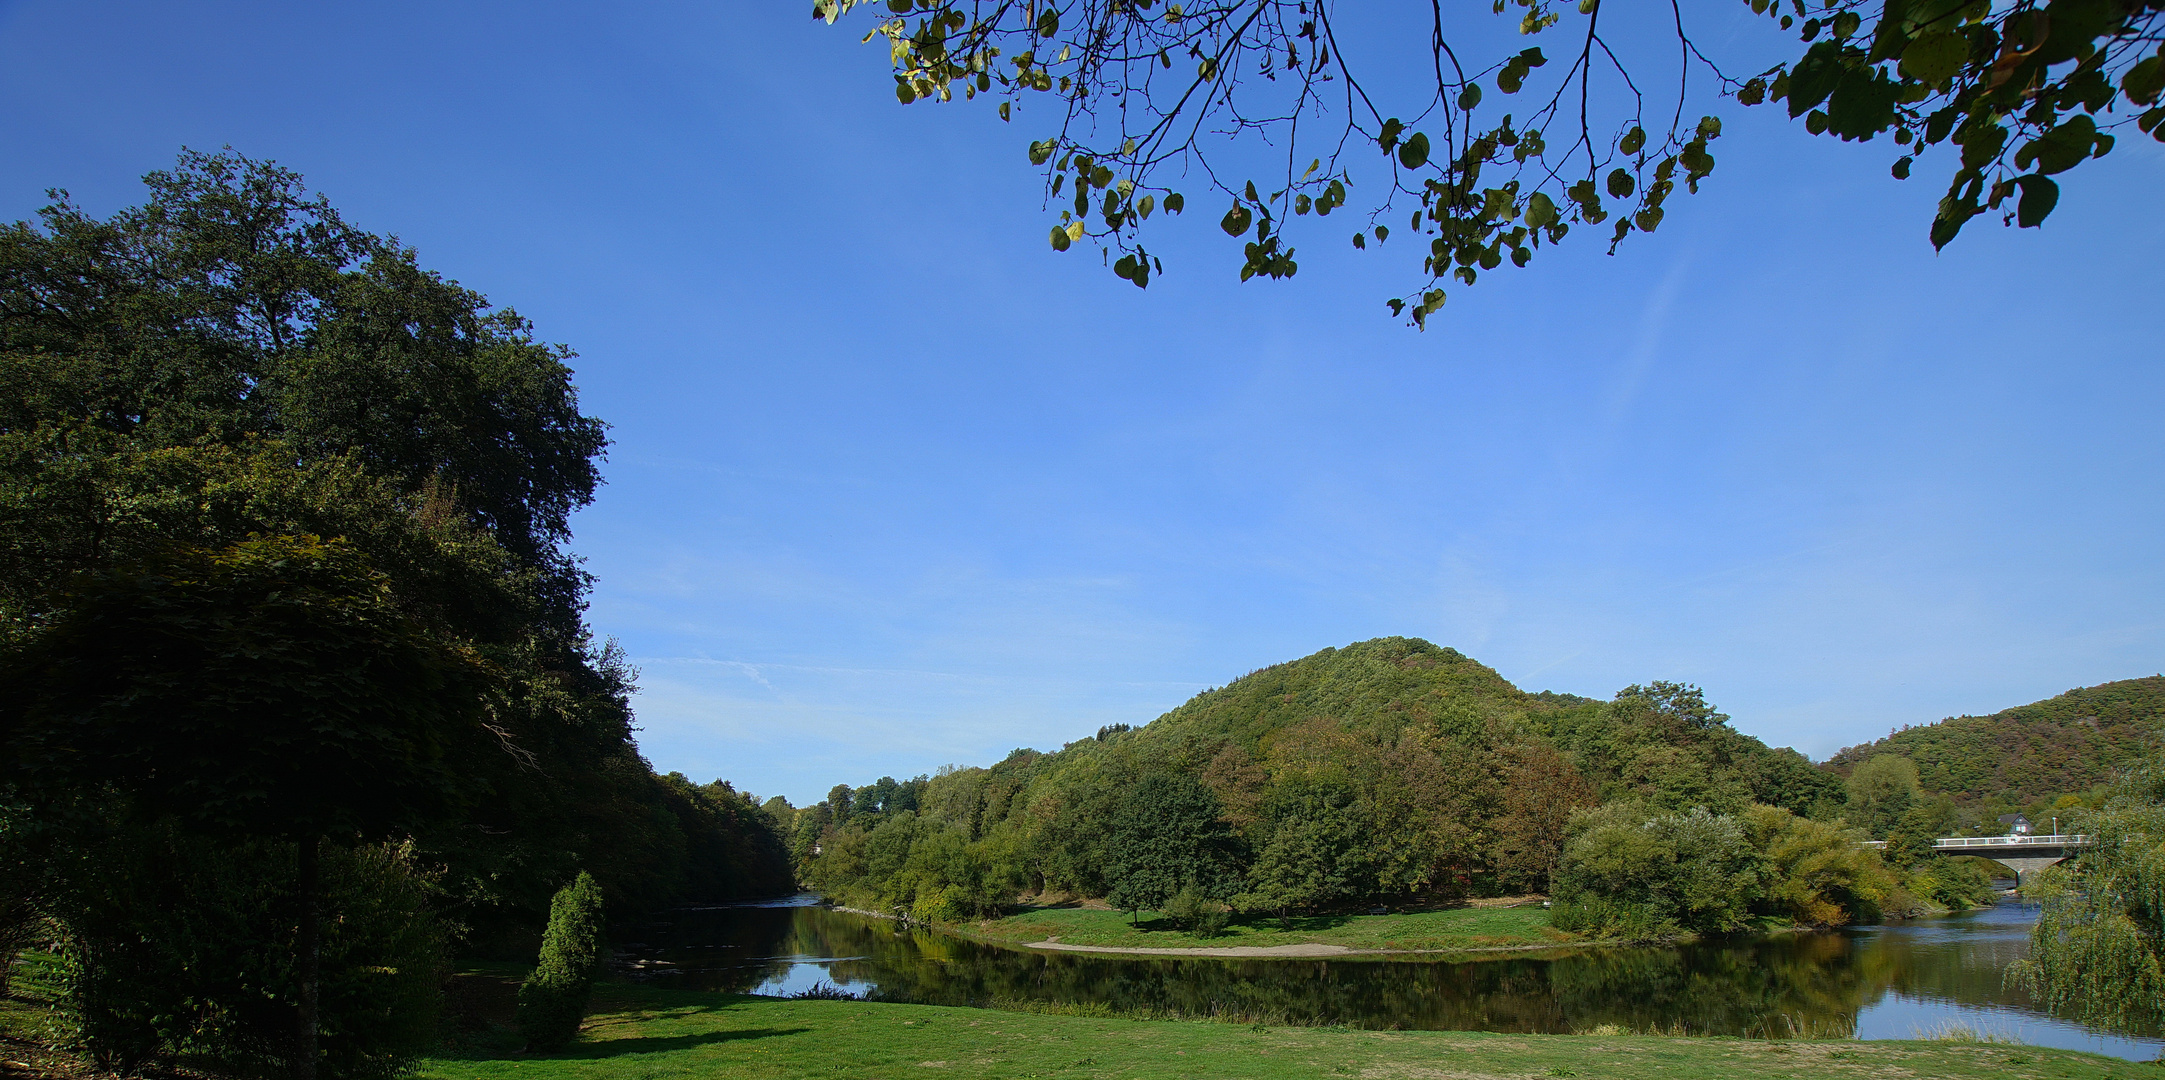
(1265, 106)
(283, 525)
(270, 688)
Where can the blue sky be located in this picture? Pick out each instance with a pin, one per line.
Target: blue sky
(894, 485)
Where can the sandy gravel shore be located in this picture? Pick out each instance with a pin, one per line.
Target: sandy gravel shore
(1303, 949)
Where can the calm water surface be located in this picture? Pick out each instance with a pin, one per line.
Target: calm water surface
(1886, 982)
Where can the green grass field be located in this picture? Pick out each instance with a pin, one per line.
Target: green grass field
(1459, 928)
(640, 1033)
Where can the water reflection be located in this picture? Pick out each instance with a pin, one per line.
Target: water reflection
(1897, 981)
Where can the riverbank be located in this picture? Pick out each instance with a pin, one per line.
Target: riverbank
(1470, 929)
(640, 1032)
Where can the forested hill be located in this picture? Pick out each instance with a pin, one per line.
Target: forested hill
(1662, 742)
(2061, 745)
(1383, 685)
(1391, 767)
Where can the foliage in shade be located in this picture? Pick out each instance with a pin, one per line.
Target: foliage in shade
(2097, 952)
(282, 527)
(233, 360)
(176, 945)
(554, 998)
(269, 688)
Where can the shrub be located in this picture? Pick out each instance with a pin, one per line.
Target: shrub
(947, 878)
(178, 946)
(1198, 912)
(554, 998)
(1210, 922)
(23, 890)
(1955, 883)
(1611, 917)
(1815, 874)
(1629, 874)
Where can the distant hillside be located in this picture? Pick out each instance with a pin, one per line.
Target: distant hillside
(1383, 685)
(1382, 688)
(2017, 756)
(1387, 768)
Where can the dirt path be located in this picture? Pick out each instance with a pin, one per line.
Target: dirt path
(1309, 948)
(1304, 949)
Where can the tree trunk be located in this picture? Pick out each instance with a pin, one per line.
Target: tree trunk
(307, 961)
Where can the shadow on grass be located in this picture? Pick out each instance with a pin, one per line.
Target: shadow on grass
(505, 1046)
(616, 1006)
(656, 1044)
(1255, 923)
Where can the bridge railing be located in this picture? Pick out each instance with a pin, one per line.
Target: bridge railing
(2059, 840)
(1956, 843)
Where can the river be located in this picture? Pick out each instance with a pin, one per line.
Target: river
(1898, 981)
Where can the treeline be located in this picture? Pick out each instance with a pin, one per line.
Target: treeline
(1388, 771)
(296, 693)
(2059, 755)
(1631, 873)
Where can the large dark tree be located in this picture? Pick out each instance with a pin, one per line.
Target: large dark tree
(193, 391)
(1169, 836)
(234, 308)
(273, 689)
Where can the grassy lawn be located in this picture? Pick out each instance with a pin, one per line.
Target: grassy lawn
(640, 1033)
(1460, 928)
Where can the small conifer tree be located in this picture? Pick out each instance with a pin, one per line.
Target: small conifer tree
(553, 999)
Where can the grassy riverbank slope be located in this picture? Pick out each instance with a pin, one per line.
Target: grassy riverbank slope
(642, 1033)
(1460, 928)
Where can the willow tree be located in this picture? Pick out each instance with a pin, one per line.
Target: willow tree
(2097, 952)
(1506, 147)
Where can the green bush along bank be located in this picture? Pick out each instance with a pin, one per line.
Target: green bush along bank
(1457, 929)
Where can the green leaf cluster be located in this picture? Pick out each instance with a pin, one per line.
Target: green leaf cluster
(2022, 92)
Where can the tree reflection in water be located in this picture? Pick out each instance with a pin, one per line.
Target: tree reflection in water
(1787, 985)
